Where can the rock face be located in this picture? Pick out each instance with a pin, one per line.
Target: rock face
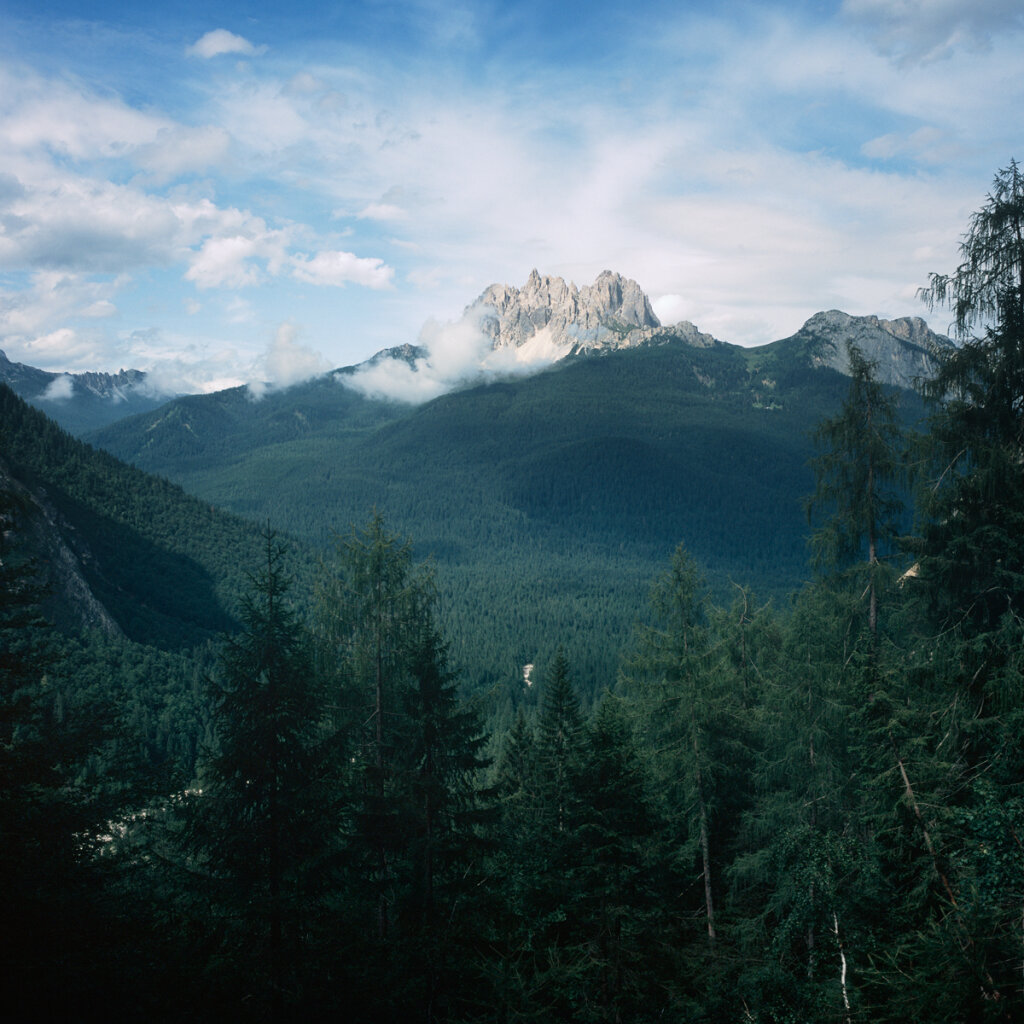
(905, 350)
(70, 601)
(548, 318)
(81, 401)
(548, 313)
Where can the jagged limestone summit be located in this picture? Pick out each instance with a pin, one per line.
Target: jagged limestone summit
(549, 318)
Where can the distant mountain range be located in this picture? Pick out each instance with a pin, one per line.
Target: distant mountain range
(549, 501)
(512, 331)
(82, 401)
(505, 331)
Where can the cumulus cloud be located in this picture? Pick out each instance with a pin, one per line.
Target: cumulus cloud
(287, 362)
(60, 389)
(225, 263)
(221, 41)
(73, 224)
(238, 260)
(338, 268)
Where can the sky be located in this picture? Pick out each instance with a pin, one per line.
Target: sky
(227, 193)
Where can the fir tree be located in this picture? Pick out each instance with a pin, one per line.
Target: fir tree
(263, 815)
(858, 468)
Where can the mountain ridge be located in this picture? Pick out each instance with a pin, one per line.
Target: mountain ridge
(80, 402)
(548, 313)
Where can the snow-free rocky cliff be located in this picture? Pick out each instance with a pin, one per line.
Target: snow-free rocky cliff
(549, 318)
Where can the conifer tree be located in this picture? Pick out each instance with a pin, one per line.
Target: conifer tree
(624, 939)
(858, 468)
(971, 568)
(371, 611)
(559, 731)
(688, 707)
(263, 815)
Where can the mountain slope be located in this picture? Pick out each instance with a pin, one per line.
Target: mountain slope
(549, 502)
(121, 551)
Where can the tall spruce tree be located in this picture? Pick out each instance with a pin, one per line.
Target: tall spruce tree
(624, 938)
(690, 710)
(969, 939)
(411, 773)
(858, 470)
(371, 609)
(263, 815)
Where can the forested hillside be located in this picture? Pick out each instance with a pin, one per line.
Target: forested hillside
(548, 503)
(166, 567)
(808, 812)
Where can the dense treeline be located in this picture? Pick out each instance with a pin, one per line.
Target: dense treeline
(813, 814)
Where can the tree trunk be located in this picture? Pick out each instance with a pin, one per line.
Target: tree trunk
(842, 965)
(705, 847)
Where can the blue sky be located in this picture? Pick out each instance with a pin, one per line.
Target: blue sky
(220, 193)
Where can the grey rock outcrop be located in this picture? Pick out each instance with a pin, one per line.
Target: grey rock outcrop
(60, 554)
(548, 310)
(905, 350)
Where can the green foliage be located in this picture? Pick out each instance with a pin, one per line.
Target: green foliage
(990, 278)
(858, 468)
(263, 817)
(166, 566)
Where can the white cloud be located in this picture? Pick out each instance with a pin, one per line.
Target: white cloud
(39, 114)
(70, 223)
(179, 149)
(60, 389)
(456, 353)
(382, 211)
(238, 260)
(927, 144)
(62, 346)
(225, 263)
(221, 41)
(338, 268)
(670, 309)
(99, 310)
(47, 303)
(287, 362)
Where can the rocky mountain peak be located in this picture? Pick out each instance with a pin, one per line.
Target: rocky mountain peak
(905, 350)
(550, 313)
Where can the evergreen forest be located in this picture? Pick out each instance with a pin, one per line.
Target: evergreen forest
(252, 782)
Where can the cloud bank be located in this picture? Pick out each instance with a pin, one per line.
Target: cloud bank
(450, 355)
